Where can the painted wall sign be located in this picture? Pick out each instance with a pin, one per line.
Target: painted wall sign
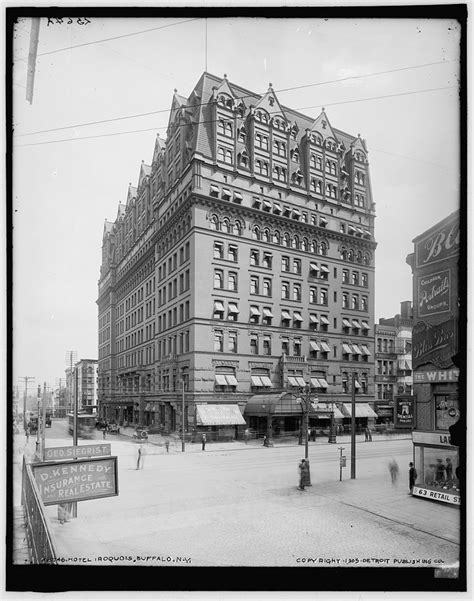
(434, 344)
(437, 495)
(87, 450)
(436, 376)
(80, 480)
(439, 439)
(440, 244)
(433, 293)
(404, 412)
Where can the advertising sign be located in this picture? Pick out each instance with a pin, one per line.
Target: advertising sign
(81, 480)
(437, 495)
(439, 439)
(436, 376)
(404, 412)
(433, 293)
(438, 245)
(87, 450)
(434, 344)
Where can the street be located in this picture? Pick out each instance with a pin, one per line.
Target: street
(240, 506)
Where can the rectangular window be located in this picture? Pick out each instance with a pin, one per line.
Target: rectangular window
(267, 346)
(254, 345)
(218, 341)
(285, 263)
(232, 344)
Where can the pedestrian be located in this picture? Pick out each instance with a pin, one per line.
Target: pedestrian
(63, 512)
(246, 435)
(368, 434)
(440, 467)
(313, 434)
(167, 445)
(265, 440)
(203, 441)
(449, 469)
(303, 468)
(140, 458)
(412, 476)
(104, 432)
(27, 434)
(393, 468)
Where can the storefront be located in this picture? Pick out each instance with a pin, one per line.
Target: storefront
(437, 462)
(219, 422)
(364, 416)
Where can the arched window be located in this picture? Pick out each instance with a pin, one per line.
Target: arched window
(266, 235)
(286, 240)
(344, 254)
(220, 154)
(220, 127)
(237, 228)
(228, 129)
(276, 237)
(285, 290)
(366, 259)
(350, 255)
(314, 247)
(295, 243)
(359, 256)
(256, 233)
(243, 159)
(214, 223)
(304, 244)
(313, 295)
(225, 226)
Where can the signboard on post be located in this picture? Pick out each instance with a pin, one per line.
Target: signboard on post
(80, 480)
(87, 450)
(404, 414)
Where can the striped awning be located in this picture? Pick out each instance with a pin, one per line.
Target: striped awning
(361, 410)
(219, 415)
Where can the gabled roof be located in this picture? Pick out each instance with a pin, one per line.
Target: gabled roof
(108, 227)
(159, 148)
(177, 103)
(121, 210)
(359, 144)
(270, 104)
(224, 88)
(322, 126)
(131, 194)
(145, 171)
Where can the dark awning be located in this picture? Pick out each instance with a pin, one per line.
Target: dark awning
(275, 403)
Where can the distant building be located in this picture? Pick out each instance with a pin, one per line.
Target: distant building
(81, 386)
(435, 264)
(393, 364)
(241, 267)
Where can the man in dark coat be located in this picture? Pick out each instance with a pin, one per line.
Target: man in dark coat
(412, 476)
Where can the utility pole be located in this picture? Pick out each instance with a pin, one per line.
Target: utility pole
(183, 443)
(26, 379)
(38, 424)
(43, 423)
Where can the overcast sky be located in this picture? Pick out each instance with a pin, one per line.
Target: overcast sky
(63, 191)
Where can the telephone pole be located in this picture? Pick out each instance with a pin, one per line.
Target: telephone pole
(25, 379)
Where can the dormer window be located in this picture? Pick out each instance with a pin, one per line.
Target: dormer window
(295, 156)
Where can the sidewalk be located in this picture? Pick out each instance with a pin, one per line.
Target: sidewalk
(239, 445)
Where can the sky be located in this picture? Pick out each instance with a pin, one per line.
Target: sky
(67, 182)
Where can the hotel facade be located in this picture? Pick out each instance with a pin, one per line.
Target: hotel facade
(240, 271)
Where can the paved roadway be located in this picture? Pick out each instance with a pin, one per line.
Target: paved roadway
(229, 507)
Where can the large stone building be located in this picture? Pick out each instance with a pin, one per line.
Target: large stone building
(393, 363)
(436, 302)
(81, 386)
(240, 268)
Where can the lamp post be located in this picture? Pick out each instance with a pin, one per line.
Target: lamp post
(353, 428)
(332, 432)
(305, 401)
(183, 443)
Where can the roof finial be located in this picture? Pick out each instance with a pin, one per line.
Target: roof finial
(358, 135)
(323, 109)
(176, 90)
(225, 75)
(270, 85)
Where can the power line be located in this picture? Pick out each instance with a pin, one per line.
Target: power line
(117, 37)
(212, 120)
(321, 83)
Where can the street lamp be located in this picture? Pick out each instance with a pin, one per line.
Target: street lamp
(183, 443)
(332, 425)
(305, 402)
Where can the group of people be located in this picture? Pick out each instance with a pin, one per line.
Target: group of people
(439, 472)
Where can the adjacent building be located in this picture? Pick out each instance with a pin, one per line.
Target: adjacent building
(240, 270)
(435, 264)
(393, 377)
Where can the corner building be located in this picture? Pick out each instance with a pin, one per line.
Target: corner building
(240, 268)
